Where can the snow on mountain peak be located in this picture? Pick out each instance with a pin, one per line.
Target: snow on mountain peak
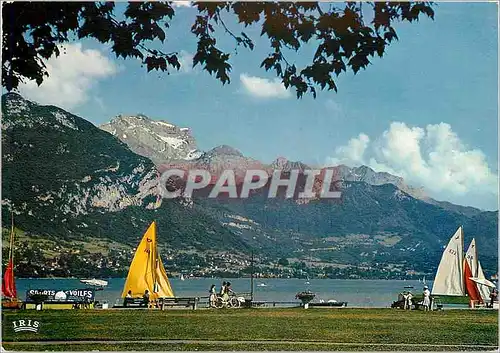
(158, 140)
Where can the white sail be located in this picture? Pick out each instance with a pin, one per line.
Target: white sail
(477, 272)
(449, 277)
(471, 258)
(483, 284)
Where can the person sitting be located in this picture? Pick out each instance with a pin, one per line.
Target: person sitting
(145, 298)
(128, 298)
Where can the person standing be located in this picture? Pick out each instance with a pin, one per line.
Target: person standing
(227, 290)
(213, 296)
(493, 296)
(408, 303)
(222, 289)
(427, 299)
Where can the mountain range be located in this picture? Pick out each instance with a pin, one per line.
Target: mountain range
(65, 178)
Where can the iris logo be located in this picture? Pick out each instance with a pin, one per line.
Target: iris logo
(26, 325)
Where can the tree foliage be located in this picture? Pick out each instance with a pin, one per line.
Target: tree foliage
(345, 35)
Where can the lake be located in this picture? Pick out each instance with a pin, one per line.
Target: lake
(358, 293)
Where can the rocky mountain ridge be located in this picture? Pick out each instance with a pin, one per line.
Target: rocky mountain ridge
(157, 140)
(224, 157)
(90, 179)
(66, 179)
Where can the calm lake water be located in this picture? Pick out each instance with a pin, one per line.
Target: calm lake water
(358, 293)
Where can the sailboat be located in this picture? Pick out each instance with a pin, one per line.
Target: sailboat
(9, 292)
(146, 270)
(480, 286)
(98, 283)
(181, 277)
(460, 275)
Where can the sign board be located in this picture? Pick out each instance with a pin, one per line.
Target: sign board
(62, 295)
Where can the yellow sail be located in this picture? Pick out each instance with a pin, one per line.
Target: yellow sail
(147, 271)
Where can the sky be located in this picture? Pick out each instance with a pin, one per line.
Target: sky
(426, 111)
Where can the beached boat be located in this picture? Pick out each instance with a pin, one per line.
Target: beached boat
(305, 296)
(328, 304)
(146, 270)
(9, 292)
(460, 275)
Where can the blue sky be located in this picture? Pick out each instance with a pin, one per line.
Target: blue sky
(436, 84)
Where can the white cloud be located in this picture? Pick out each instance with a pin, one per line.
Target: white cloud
(71, 77)
(186, 61)
(352, 153)
(264, 88)
(181, 3)
(433, 157)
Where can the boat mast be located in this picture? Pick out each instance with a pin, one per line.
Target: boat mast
(11, 243)
(463, 261)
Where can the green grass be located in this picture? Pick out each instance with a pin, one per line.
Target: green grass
(163, 347)
(313, 329)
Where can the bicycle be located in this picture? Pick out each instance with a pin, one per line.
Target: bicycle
(232, 302)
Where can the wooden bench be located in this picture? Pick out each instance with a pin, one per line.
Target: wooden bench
(187, 302)
(133, 303)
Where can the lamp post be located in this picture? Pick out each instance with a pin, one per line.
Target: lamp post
(251, 280)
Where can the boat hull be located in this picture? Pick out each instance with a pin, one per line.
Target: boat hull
(11, 303)
(329, 305)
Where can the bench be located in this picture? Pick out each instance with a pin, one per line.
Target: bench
(187, 302)
(132, 303)
(160, 303)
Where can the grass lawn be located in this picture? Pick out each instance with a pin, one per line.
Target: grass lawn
(284, 329)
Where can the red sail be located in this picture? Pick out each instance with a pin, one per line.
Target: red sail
(8, 284)
(470, 286)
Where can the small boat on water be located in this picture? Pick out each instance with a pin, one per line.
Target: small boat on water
(98, 283)
(181, 277)
(9, 292)
(261, 285)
